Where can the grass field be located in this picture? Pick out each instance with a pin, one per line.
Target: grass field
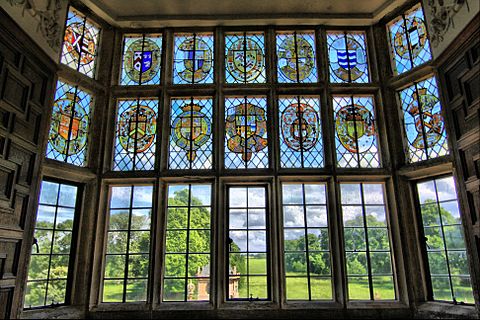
(297, 288)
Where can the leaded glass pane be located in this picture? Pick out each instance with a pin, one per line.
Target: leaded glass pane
(80, 43)
(187, 260)
(248, 263)
(193, 58)
(141, 59)
(423, 121)
(49, 265)
(135, 135)
(127, 258)
(296, 57)
(246, 143)
(68, 136)
(306, 242)
(347, 54)
(366, 242)
(245, 57)
(409, 42)
(444, 241)
(301, 143)
(191, 133)
(356, 132)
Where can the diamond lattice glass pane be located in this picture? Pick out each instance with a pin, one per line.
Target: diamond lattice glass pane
(68, 136)
(135, 136)
(246, 143)
(193, 58)
(355, 132)
(141, 59)
(423, 122)
(347, 54)
(191, 133)
(296, 57)
(301, 143)
(409, 42)
(80, 43)
(245, 57)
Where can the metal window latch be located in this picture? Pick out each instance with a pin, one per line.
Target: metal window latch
(426, 242)
(251, 299)
(35, 242)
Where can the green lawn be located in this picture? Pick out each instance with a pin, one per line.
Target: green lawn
(296, 287)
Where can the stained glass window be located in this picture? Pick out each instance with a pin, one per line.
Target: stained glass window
(191, 133)
(136, 135)
(49, 265)
(347, 55)
(127, 258)
(248, 249)
(245, 57)
(301, 143)
(296, 57)
(423, 121)
(80, 44)
(68, 136)
(246, 144)
(141, 59)
(307, 258)
(409, 44)
(193, 58)
(355, 132)
(188, 243)
(368, 255)
(444, 241)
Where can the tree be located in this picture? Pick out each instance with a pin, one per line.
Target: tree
(198, 238)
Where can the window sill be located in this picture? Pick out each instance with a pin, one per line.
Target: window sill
(63, 312)
(435, 310)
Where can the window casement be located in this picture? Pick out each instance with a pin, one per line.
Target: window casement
(306, 242)
(443, 245)
(248, 243)
(127, 244)
(188, 243)
(55, 237)
(366, 236)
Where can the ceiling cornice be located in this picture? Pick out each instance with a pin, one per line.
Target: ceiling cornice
(200, 20)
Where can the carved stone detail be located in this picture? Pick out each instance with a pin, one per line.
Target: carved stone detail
(47, 14)
(442, 12)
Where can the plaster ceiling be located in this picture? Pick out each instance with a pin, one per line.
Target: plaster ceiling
(164, 13)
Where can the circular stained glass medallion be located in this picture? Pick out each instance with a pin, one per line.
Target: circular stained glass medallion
(79, 43)
(289, 56)
(245, 60)
(69, 128)
(246, 127)
(417, 37)
(355, 128)
(142, 57)
(191, 129)
(426, 119)
(300, 126)
(352, 58)
(196, 56)
(137, 128)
